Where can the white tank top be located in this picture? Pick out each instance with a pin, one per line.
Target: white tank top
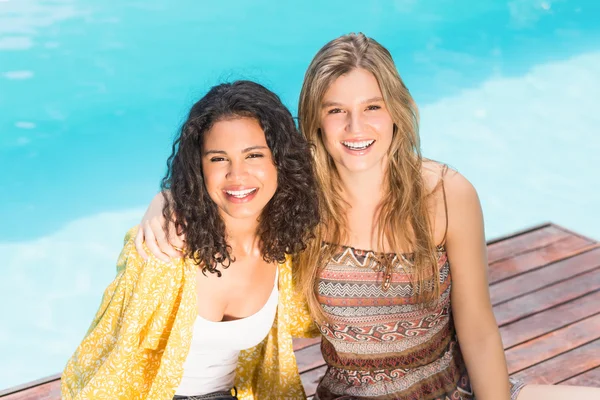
(211, 362)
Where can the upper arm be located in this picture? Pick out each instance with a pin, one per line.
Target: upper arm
(296, 317)
(132, 272)
(137, 310)
(302, 324)
(467, 254)
(117, 293)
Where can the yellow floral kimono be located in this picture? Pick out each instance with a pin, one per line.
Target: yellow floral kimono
(141, 335)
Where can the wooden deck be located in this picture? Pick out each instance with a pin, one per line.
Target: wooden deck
(545, 288)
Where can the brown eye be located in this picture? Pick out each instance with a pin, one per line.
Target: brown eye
(373, 107)
(334, 111)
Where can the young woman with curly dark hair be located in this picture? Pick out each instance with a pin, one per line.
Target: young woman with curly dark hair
(241, 183)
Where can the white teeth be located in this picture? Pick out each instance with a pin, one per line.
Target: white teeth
(240, 193)
(358, 145)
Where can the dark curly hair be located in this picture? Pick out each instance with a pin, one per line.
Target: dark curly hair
(287, 221)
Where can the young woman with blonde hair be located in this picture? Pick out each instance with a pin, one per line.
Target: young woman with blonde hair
(396, 277)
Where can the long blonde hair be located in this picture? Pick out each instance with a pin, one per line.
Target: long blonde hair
(402, 218)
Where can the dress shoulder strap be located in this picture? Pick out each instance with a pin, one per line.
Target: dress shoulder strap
(444, 171)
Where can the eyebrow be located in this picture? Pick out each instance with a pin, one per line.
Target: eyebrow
(246, 150)
(334, 103)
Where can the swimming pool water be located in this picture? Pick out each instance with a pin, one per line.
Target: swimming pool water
(92, 92)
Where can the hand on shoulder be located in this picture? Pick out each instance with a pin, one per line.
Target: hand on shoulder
(163, 245)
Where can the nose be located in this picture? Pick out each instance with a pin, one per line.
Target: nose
(237, 169)
(355, 122)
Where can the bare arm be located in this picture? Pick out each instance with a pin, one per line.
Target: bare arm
(160, 243)
(476, 327)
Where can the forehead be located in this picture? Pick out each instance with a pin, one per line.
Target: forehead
(234, 134)
(358, 84)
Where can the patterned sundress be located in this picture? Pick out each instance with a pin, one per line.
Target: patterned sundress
(381, 344)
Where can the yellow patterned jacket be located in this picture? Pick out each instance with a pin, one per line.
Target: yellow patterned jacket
(140, 337)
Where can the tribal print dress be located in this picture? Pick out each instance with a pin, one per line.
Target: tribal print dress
(382, 344)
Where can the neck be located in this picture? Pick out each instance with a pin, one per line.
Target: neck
(364, 188)
(242, 236)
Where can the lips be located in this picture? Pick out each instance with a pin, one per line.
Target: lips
(240, 194)
(357, 145)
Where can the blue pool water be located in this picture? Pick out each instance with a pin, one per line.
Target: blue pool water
(92, 92)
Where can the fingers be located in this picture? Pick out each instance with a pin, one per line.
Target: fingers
(151, 233)
(139, 243)
(152, 244)
(177, 240)
(162, 240)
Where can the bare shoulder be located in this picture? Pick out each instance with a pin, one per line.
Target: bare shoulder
(433, 172)
(460, 193)
(465, 217)
(454, 182)
(453, 199)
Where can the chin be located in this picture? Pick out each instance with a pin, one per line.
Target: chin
(242, 214)
(360, 167)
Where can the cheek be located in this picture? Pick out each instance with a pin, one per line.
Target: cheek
(267, 174)
(329, 143)
(328, 136)
(384, 126)
(332, 126)
(210, 177)
(271, 176)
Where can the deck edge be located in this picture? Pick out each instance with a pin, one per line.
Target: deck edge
(29, 385)
(521, 232)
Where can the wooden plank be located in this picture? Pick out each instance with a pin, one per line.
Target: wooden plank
(301, 343)
(311, 379)
(309, 358)
(46, 391)
(528, 261)
(31, 384)
(40, 388)
(520, 232)
(547, 297)
(564, 366)
(525, 243)
(571, 232)
(551, 319)
(589, 378)
(550, 274)
(553, 344)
